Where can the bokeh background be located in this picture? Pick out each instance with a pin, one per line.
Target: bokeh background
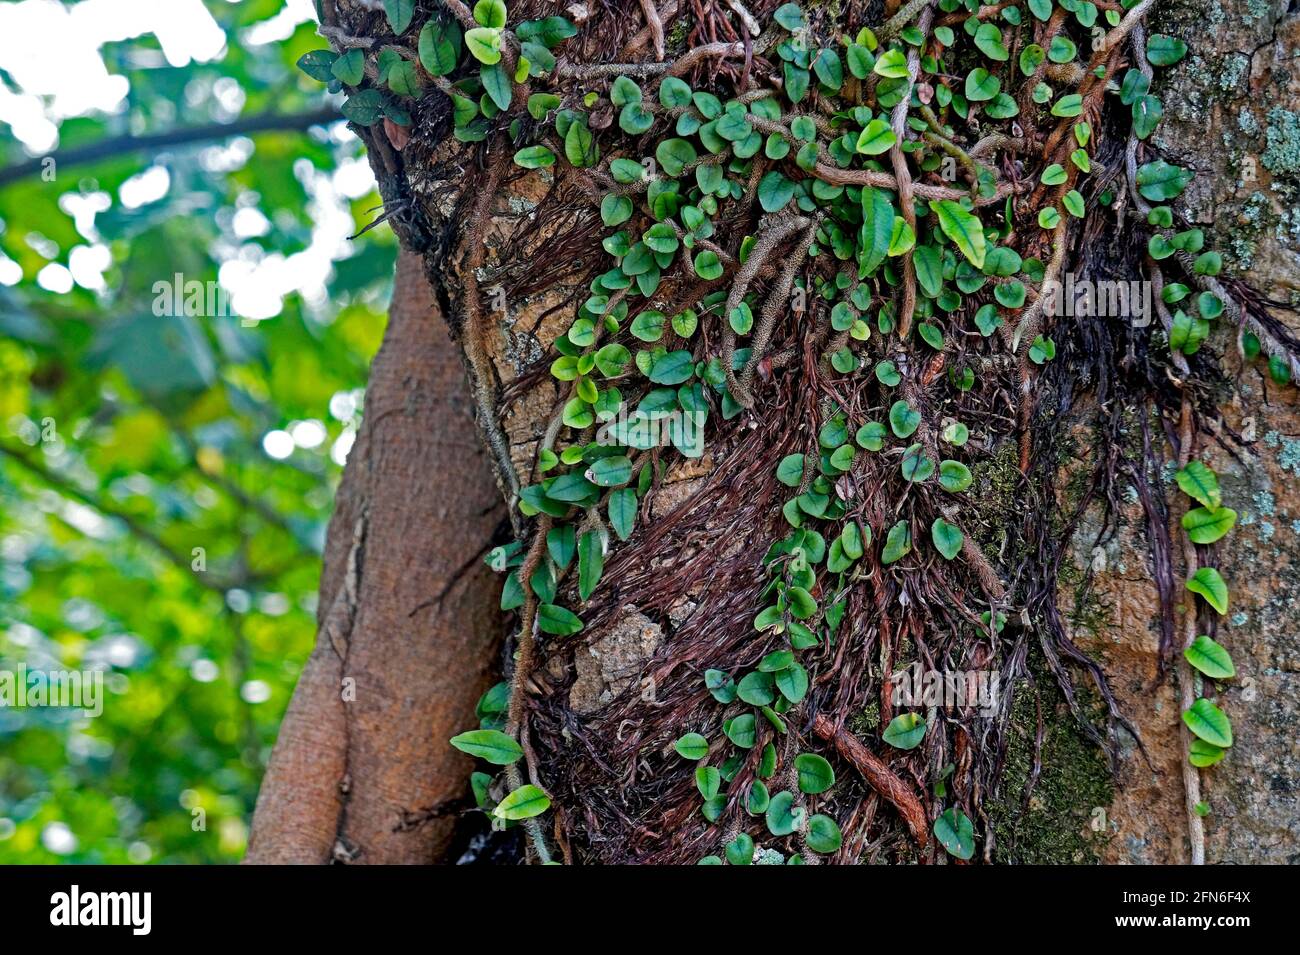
(165, 482)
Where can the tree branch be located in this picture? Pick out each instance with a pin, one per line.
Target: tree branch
(120, 145)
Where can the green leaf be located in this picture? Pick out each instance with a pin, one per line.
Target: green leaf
(1062, 49)
(988, 38)
(740, 850)
(1031, 57)
(707, 265)
(524, 803)
(757, 688)
(824, 836)
(492, 745)
(318, 64)
(614, 209)
(399, 13)
(1148, 111)
(591, 563)
(674, 155)
(404, 79)
(915, 466)
(871, 436)
(580, 146)
(802, 604)
(892, 64)
(793, 683)
(364, 107)
(898, 543)
(1160, 181)
(954, 476)
(963, 228)
(1041, 350)
(815, 773)
(905, 731)
(674, 368)
(622, 512)
(903, 419)
(484, 45)
(707, 779)
(712, 810)
(1069, 105)
(875, 138)
(1210, 658)
(720, 685)
(1209, 584)
(1199, 482)
(877, 229)
(674, 93)
(1205, 525)
(947, 538)
(556, 620)
(350, 67)
(1203, 754)
(740, 730)
(789, 16)
(829, 69)
(790, 471)
(1209, 723)
(1164, 50)
(774, 191)
(539, 104)
(692, 746)
(783, 816)
(981, 85)
(955, 833)
(439, 47)
(531, 157)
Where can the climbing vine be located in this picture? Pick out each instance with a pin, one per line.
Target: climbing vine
(884, 210)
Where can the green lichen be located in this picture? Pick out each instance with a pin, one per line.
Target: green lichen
(1257, 10)
(865, 723)
(1282, 152)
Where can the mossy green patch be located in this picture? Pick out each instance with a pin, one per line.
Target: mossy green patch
(1056, 826)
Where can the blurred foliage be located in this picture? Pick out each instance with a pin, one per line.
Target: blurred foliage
(128, 440)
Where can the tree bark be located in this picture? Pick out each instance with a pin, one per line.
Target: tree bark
(408, 620)
(680, 595)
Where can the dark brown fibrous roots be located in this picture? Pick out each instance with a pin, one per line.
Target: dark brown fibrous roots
(619, 792)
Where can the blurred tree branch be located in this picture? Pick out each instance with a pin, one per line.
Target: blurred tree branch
(119, 145)
(69, 489)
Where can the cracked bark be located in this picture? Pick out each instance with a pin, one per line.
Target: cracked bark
(361, 770)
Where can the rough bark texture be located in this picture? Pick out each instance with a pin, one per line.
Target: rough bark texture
(1074, 815)
(1231, 114)
(408, 621)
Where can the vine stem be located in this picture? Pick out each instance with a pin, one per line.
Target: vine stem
(1186, 680)
(475, 335)
(898, 122)
(516, 715)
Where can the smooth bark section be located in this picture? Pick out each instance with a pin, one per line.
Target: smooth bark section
(408, 624)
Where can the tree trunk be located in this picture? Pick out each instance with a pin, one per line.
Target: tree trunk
(408, 617)
(1068, 417)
